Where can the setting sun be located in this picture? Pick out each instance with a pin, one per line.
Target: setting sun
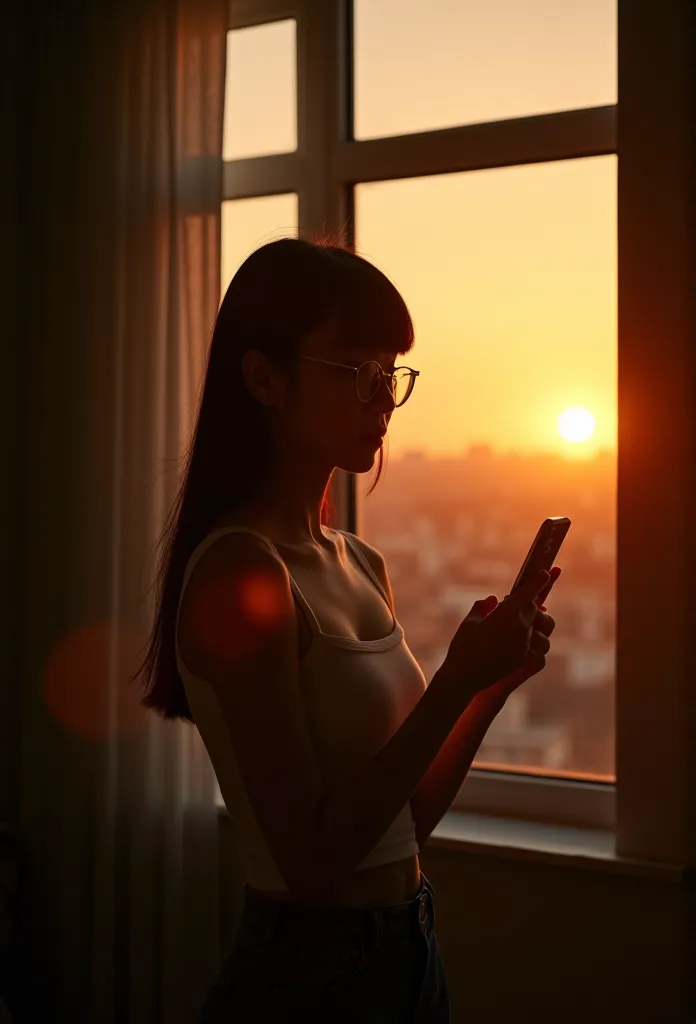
(576, 424)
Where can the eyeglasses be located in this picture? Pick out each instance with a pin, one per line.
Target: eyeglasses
(368, 377)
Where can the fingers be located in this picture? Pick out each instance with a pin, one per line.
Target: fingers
(482, 608)
(539, 645)
(544, 623)
(541, 642)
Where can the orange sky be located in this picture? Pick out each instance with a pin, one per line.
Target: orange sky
(510, 274)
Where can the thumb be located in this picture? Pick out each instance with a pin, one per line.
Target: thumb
(483, 607)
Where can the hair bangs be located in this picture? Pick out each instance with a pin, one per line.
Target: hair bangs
(371, 312)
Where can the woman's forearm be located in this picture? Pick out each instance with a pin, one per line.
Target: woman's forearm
(445, 777)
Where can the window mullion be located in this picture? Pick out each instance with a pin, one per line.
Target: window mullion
(246, 13)
(261, 176)
(562, 136)
(321, 40)
(324, 204)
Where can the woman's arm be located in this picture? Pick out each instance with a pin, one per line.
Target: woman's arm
(445, 777)
(440, 785)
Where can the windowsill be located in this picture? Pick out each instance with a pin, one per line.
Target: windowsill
(560, 845)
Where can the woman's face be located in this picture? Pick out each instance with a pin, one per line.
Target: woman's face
(328, 419)
(321, 419)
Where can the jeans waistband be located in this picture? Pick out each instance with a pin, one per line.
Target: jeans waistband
(266, 915)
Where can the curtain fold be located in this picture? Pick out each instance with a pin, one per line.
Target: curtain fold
(120, 148)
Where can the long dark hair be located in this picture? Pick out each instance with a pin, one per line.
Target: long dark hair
(282, 292)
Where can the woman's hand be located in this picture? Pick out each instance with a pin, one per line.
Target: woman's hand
(498, 640)
(539, 646)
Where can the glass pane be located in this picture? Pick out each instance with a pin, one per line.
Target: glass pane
(250, 223)
(260, 91)
(424, 66)
(511, 278)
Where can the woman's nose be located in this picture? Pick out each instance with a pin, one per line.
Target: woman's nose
(385, 395)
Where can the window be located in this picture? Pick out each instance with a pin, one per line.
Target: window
(260, 115)
(415, 71)
(524, 227)
(250, 223)
(260, 118)
(510, 276)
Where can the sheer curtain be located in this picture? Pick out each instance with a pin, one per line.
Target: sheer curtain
(117, 231)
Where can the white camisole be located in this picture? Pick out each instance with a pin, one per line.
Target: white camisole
(356, 695)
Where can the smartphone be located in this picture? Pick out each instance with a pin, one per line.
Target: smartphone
(543, 551)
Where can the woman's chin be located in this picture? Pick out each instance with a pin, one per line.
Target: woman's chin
(360, 456)
(358, 462)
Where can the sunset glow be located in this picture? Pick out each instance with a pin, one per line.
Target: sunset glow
(576, 424)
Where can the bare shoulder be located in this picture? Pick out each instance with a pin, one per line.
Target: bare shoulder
(238, 588)
(232, 554)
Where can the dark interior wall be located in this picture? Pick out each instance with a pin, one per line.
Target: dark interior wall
(531, 942)
(16, 174)
(538, 944)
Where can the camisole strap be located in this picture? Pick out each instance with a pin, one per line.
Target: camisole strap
(360, 555)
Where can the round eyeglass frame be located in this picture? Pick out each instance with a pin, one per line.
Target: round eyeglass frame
(356, 369)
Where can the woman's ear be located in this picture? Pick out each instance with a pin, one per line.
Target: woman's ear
(263, 382)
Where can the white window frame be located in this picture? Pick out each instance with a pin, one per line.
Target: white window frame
(651, 811)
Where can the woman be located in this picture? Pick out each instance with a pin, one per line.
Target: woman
(276, 635)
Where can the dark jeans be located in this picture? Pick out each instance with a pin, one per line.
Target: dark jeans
(344, 966)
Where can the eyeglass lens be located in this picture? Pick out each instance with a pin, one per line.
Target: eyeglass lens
(368, 381)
